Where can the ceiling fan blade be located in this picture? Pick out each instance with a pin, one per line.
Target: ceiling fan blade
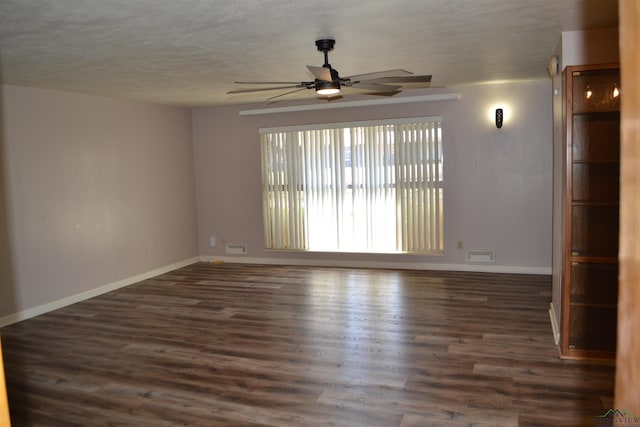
(376, 87)
(284, 94)
(400, 79)
(380, 75)
(267, 83)
(261, 89)
(321, 73)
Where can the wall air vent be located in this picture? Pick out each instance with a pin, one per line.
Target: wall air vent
(233, 249)
(481, 256)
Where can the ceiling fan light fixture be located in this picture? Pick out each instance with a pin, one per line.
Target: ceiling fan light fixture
(327, 88)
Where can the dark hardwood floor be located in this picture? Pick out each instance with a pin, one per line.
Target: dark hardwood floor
(246, 345)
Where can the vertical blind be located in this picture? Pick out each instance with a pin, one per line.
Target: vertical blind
(358, 187)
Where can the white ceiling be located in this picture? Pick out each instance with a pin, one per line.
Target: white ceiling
(189, 52)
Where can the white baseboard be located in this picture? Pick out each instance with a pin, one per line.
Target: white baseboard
(54, 305)
(386, 265)
(554, 324)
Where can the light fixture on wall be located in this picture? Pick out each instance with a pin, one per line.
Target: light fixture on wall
(499, 117)
(499, 113)
(327, 88)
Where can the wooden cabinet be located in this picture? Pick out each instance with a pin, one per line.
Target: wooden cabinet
(591, 211)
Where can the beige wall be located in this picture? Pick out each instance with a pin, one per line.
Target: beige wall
(497, 181)
(7, 294)
(589, 47)
(95, 191)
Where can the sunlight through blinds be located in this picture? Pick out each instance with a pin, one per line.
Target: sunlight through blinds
(356, 187)
(419, 187)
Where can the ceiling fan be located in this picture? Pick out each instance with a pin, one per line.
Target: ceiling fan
(329, 84)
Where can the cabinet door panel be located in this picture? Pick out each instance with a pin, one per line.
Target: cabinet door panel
(596, 90)
(596, 182)
(596, 137)
(591, 202)
(593, 283)
(594, 231)
(593, 328)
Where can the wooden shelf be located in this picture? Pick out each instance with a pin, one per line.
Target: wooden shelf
(593, 304)
(598, 260)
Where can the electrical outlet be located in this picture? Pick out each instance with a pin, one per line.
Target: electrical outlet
(212, 241)
(460, 246)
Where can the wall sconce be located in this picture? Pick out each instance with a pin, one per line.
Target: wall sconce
(499, 117)
(499, 113)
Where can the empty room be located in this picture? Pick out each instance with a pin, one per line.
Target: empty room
(279, 213)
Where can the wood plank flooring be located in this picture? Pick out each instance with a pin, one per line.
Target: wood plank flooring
(248, 345)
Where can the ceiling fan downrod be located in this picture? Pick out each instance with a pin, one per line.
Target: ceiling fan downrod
(324, 46)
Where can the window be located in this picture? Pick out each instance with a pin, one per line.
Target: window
(354, 187)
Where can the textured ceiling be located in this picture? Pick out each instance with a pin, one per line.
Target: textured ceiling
(189, 52)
